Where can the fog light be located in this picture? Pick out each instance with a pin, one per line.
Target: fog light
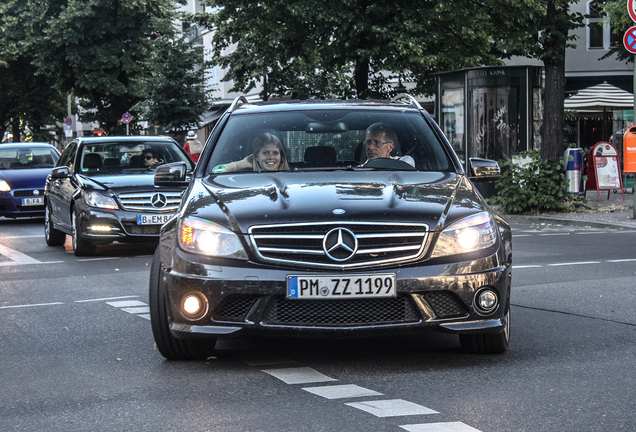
(194, 305)
(486, 301)
(100, 228)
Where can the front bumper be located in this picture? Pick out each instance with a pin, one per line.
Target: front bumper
(104, 226)
(252, 299)
(12, 204)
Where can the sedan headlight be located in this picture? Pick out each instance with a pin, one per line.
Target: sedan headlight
(467, 235)
(207, 238)
(4, 186)
(95, 199)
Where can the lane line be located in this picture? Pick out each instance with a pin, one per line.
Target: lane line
(126, 303)
(342, 391)
(391, 408)
(300, 375)
(31, 305)
(105, 298)
(13, 263)
(573, 263)
(439, 427)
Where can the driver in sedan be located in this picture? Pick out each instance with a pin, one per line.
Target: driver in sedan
(380, 142)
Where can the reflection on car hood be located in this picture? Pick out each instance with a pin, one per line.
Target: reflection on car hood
(435, 199)
(119, 181)
(25, 178)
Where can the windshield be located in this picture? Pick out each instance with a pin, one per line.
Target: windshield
(27, 157)
(315, 139)
(109, 158)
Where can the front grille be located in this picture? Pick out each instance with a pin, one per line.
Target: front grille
(143, 201)
(353, 312)
(234, 308)
(27, 193)
(302, 244)
(133, 228)
(446, 304)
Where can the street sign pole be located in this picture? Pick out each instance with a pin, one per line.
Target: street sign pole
(631, 10)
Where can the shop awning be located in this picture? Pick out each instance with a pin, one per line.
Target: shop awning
(600, 98)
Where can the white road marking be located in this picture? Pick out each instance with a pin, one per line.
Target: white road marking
(622, 260)
(391, 408)
(439, 427)
(31, 305)
(99, 259)
(137, 310)
(526, 266)
(13, 263)
(104, 299)
(22, 236)
(145, 316)
(126, 303)
(573, 263)
(342, 391)
(301, 375)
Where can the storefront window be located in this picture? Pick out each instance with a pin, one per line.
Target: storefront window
(494, 122)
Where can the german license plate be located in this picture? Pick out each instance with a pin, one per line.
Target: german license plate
(33, 201)
(339, 287)
(153, 219)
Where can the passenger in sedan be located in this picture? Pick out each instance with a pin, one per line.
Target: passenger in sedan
(150, 158)
(268, 155)
(380, 142)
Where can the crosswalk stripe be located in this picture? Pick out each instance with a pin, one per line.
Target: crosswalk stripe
(300, 375)
(342, 391)
(391, 408)
(439, 427)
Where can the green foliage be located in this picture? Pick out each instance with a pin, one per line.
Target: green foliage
(537, 186)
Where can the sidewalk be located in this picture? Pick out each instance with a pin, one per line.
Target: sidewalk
(606, 213)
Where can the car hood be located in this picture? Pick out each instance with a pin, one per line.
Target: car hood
(25, 178)
(119, 182)
(243, 200)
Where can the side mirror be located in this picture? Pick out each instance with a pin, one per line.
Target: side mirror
(484, 170)
(172, 174)
(60, 172)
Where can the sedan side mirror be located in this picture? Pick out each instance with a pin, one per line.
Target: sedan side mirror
(60, 172)
(172, 174)
(484, 170)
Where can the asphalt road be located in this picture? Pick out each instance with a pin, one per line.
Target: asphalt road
(77, 354)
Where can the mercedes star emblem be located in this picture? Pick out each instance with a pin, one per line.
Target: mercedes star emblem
(158, 200)
(340, 244)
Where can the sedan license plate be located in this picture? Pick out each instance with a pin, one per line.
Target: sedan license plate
(339, 287)
(153, 219)
(33, 201)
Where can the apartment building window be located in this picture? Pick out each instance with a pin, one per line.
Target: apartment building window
(599, 31)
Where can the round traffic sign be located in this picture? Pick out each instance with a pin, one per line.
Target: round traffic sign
(631, 9)
(629, 40)
(126, 118)
(68, 121)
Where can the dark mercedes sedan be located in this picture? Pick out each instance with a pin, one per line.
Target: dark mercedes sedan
(23, 171)
(330, 219)
(102, 190)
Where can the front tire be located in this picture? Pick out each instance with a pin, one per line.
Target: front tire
(81, 246)
(52, 236)
(169, 346)
(487, 343)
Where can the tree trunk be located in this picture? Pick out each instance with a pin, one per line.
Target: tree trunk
(361, 76)
(553, 135)
(15, 129)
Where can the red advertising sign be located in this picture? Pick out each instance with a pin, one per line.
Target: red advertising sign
(603, 169)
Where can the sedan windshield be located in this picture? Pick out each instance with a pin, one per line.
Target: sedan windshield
(109, 158)
(328, 139)
(27, 157)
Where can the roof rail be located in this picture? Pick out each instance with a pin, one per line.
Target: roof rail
(407, 97)
(235, 104)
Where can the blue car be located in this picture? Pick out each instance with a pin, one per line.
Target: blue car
(23, 171)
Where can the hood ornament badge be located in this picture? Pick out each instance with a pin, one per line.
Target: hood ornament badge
(338, 211)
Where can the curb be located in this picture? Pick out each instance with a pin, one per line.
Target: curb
(520, 219)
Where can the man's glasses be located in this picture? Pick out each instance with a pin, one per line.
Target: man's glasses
(149, 157)
(375, 143)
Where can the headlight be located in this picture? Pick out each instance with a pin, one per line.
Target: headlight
(207, 238)
(95, 199)
(4, 186)
(467, 235)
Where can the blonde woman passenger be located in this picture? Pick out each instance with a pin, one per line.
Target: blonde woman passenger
(268, 156)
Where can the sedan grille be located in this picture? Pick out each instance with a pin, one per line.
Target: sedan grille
(353, 312)
(151, 201)
(446, 304)
(28, 193)
(339, 245)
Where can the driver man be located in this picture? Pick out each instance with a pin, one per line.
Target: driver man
(380, 142)
(149, 158)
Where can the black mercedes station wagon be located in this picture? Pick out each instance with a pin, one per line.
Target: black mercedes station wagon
(329, 219)
(102, 190)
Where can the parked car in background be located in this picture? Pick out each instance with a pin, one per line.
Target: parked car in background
(23, 171)
(102, 191)
(330, 218)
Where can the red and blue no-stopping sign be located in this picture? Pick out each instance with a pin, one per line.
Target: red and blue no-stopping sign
(629, 40)
(126, 118)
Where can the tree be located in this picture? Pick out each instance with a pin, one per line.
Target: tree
(101, 51)
(176, 92)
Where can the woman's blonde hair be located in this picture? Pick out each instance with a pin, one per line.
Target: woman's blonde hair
(269, 138)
